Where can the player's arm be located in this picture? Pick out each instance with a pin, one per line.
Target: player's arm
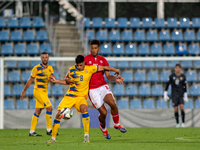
(28, 83)
(67, 81)
(113, 78)
(185, 98)
(166, 98)
(108, 68)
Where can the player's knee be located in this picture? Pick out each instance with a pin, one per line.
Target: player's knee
(50, 108)
(103, 113)
(58, 115)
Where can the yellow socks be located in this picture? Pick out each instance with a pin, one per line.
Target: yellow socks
(48, 119)
(86, 122)
(56, 126)
(34, 121)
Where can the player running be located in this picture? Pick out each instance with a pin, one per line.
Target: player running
(178, 94)
(78, 79)
(40, 73)
(99, 91)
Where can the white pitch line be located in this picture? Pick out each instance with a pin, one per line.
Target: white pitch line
(187, 138)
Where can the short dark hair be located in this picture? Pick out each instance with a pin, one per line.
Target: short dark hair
(95, 41)
(44, 53)
(79, 59)
(178, 65)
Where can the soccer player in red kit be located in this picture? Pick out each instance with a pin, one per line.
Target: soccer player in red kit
(99, 91)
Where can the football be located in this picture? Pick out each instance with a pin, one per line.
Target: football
(66, 113)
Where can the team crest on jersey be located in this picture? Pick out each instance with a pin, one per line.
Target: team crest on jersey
(181, 78)
(101, 61)
(174, 78)
(86, 71)
(90, 62)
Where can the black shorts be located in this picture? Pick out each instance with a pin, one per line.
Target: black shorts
(177, 101)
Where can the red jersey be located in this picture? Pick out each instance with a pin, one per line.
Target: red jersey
(97, 79)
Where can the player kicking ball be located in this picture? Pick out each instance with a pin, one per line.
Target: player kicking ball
(78, 79)
(99, 91)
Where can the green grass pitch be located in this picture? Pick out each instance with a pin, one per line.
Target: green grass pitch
(135, 138)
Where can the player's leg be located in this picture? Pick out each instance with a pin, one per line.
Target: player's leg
(175, 103)
(49, 119)
(182, 114)
(34, 122)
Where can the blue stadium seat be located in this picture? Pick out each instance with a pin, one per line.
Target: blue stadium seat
(13, 23)
(128, 76)
(189, 36)
(123, 64)
(177, 36)
(57, 90)
(29, 36)
(169, 90)
(20, 49)
(10, 64)
(26, 75)
(4, 36)
(38, 22)
(6, 49)
(160, 103)
(102, 35)
(22, 104)
(7, 90)
(197, 64)
(172, 64)
(184, 22)
(52, 63)
(32, 104)
(152, 36)
(110, 23)
(160, 23)
(25, 22)
(32, 49)
(143, 49)
(148, 104)
(56, 73)
(112, 64)
(105, 49)
(172, 23)
(164, 36)
(135, 104)
(193, 49)
(122, 22)
(189, 104)
(34, 63)
(135, 22)
(131, 90)
(197, 103)
(198, 35)
(136, 64)
(157, 90)
(86, 21)
(147, 23)
(118, 90)
(156, 49)
(118, 49)
(97, 22)
(122, 104)
(114, 36)
(58, 102)
(9, 104)
(2, 22)
(139, 36)
(127, 36)
(23, 64)
(41, 35)
(152, 76)
(29, 91)
(131, 49)
(46, 47)
(90, 35)
(195, 90)
(191, 76)
(164, 75)
(196, 22)
(17, 89)
(161, 64)
(140, 76)
(181, 49)
(186, 64)
(16, 36)
(144, 90)
(5, 77)
(148, 64)
(13, 76)
(49, 91)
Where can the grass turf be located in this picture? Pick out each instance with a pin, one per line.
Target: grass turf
(135, 138)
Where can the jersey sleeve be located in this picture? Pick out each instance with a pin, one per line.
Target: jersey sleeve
(52, 71)
(93, 69)
(34, 72)
(168, 82)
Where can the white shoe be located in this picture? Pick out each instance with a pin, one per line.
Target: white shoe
(177, 125)
(86, 139)
(51, 141)
(183, 125)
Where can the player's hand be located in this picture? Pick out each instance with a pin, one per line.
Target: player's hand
(69, 81)
(52, 78)
(166, 98)
(22, 95)
(185, 98)
(119, 79)
(116, 72)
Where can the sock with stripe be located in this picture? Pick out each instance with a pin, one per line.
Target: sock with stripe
(116, 119)
(86, 122)
(56, 126)
(34, 122)
(48, 120)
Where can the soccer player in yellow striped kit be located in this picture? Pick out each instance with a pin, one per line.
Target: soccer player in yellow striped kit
(78, 79)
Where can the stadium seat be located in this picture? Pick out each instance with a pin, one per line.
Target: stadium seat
(86, 21)
(32, 49)
(7, 90)
(25, 76)
(38, 22)
(17, 89)
(34, 63)
(157, 90)
(10, 64)
(16, 36)
(131, 49)
(122, 104)
(25, 22)
(172, 23)
(160, 23)
(181, 49)
(112, 64)
(32, 104)
(177, 36)
(58, 102)
(105, 49)
(22, 104)
(144, 90)
(13, 76)
(49, 91)
(97, 22)
(189, 104)
(123, 64)
(135, 64)
(195, 90)
(147, 23)
(189, 36)
(164, 36)
(52, 63)
(186, 64)
(29, 91)
(164, 75)
(110, 23)
(197, 64)
(139, 36)
(135, 104)
(156, 49)
(5, 77)
(131, 90)
(197, 103)
(152, 36)
(184, 22)
(9, 104)
(152, 76)
(172, 64)
(193, 49)
(13, 23)
(143, 49)
(29, 36)
(41, 35)
(191, 76)
(118, 90)
(128, 76)
(90, 34)
(46, 47)
(4, 36)
(169, 90)
(57, 90)
(140, 76)
(2, 22)
(114, 36)
(23, 64)
(56, 73)
(198, 35)
(6, 49)
(161, 64)
(122, 22)
(160, 103)
(20, 49)
(148, 64)
(135, 22)
(196, 22)
(127, 36)
(102, 35)
(118, 49)
(148, 104)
